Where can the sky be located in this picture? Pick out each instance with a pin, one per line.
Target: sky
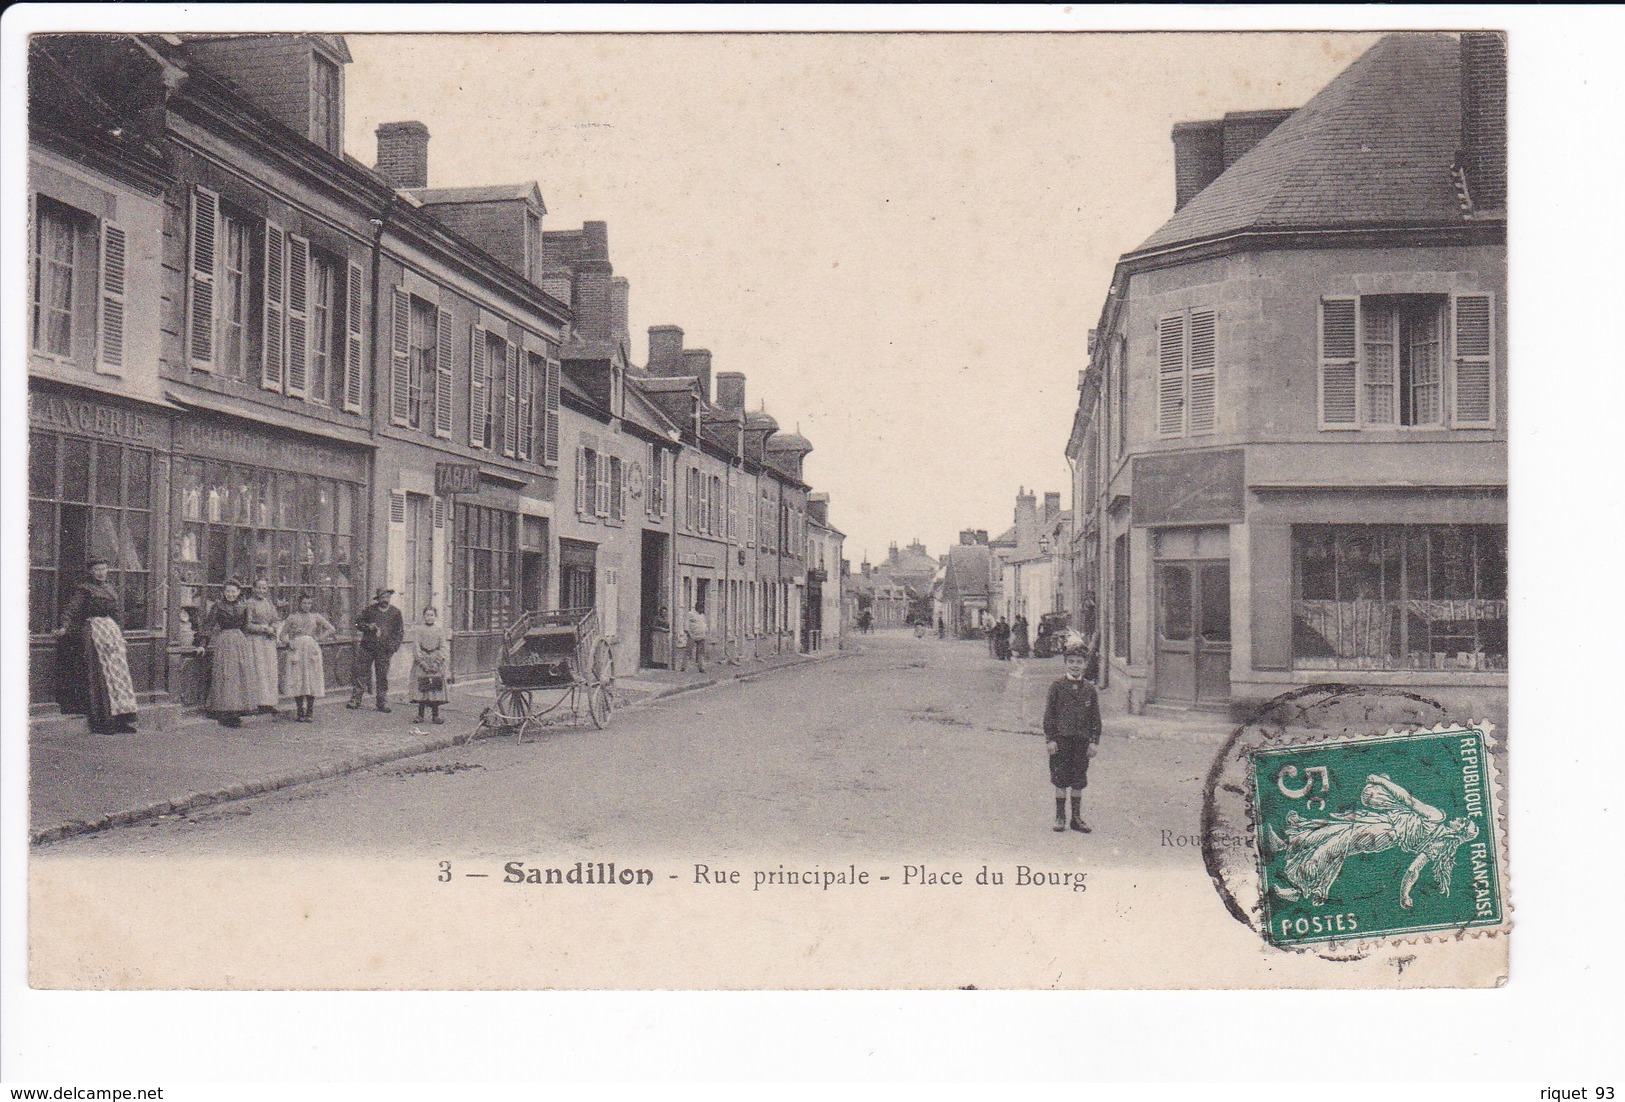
(901, 240)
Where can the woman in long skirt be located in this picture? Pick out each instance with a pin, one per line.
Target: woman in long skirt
(263, 623)
(431, 665)
(93, 668)
(302, 676)
(233, 682)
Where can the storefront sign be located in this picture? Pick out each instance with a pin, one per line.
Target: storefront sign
(456, 478)
(49, 411)
(691, 558)
(218, 441)
(1189, 488)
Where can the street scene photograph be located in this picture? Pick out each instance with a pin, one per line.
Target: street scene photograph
(754, 511)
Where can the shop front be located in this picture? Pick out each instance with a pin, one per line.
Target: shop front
(95, 488)
(498, 573)
(248, 503)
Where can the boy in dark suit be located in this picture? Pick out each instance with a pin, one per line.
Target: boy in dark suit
(1071, 734)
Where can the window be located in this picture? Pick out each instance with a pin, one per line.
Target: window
(714, 520)
(750, 519)
(295, 530)
(1120, 597)
(87, 497)
(488, 354)
(586, 483)
(326, 349)
(1399, 597)
(532, 370)
(239, 286)
(326, 126)
(485, 575)
(421, 376)
(1186, 374)
(1383, 361)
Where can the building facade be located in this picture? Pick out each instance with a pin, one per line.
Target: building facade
(1293, 429)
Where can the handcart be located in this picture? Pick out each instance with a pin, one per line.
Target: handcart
(548, 652)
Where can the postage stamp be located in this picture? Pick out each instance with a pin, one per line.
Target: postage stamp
(1377, 837)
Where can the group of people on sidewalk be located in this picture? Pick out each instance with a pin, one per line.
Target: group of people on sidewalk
(1005, 638)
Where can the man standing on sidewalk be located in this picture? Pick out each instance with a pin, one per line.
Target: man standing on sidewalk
(382, 631)
(1071, 734)
(697, 629)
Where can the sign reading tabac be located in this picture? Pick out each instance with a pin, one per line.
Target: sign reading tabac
(456, 478)
(1188, 488)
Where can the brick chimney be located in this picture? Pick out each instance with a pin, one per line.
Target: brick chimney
(967, 537)
(620, 305)
(403, 153)
(731, 390)
(1026, 522)
(1245, 129)
(1052, 506)
(697, 362)
(665, 350)
(1198, 158)
(591, 279)
(1484, 118)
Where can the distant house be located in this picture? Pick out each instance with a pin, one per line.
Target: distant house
(967, 585)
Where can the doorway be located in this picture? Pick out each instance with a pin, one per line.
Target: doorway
(1192, 631)
(654, 644)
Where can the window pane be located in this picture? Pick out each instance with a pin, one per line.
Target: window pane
(1452, 563)
(1174, 607)
(109, 474)
(75, 469)
(133, 552)
(42, 535)
(138, 476)
(41, 464)
(135, 602)
(1492, 562)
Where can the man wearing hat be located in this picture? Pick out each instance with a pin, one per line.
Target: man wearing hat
(382, 632)
(1071, 733)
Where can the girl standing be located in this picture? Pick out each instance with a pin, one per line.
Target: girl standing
(233, 681)
(263, 622)
(302, 675)
(431, 663)
(93, 669)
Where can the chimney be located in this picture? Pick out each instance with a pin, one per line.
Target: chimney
(967, 537)
(620, 296)
(891, 555)
(590, 296)
(1052, 506)
(1484, 118)
(697, 362)
(403, 153)
(1198, 158)
(1026, 523)
(731, 389)
(981, 536)
(1245, 129)
(665, 350)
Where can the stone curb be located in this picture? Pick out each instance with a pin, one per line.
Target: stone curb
(329, 770)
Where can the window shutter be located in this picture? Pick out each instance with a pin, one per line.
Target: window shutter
(272, 348)
(298, 315)
(527, 417)
(354, 311)
(705, 504)
(1203, 375)
(395, 551)
(625, 487)
(442, 374)
(1339, 364)
(510, 402)
(439, 512)
(200, 340)
(602, 487)
(476, 388)
(581, 481)
(1474, 332)
(551, 456)
(400, 357)
(110, 325)
(1171, 375)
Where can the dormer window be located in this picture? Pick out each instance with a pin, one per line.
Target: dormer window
(326, 121)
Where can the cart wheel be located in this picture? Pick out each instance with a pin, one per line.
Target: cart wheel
(513, 708)
(603, 663)
(599, 704)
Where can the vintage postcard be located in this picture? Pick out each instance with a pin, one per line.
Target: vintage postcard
(697, 511)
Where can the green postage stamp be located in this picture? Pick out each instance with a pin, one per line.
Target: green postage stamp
(1377, 837)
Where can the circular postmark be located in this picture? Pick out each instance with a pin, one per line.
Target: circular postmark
(1304, 717)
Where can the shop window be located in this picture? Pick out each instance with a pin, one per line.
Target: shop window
(1399, 597)
(88, 498)
(484, 557)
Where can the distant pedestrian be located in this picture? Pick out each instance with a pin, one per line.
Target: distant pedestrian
(696, 629)
(942, 628)
(1001, 640)
(865, 621)
(303, 678)
(382, 632)
(431, 665)
(1071, 735)
(264, 621)
(233, 680)
(1020, 640)
(92, 665)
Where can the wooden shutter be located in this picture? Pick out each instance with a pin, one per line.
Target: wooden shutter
(1339, 364)
(400, 357)
(442, 374)
(750, 519)
(602, 487)
(527, 416)
(705, 504)
(551, 405)
(274, 320)
(110, 322)
(477, 388)
(395, 549)
(1203, 373)
(510, 402)
(1171, 375)
(581, 481)
(1473, 332)
(201, 243)
(354, 311)
(298, 315)
(625, 487)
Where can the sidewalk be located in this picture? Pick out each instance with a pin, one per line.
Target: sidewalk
(79, 782)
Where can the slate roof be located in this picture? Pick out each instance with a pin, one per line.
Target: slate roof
(968, 569)
(1375, 146)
